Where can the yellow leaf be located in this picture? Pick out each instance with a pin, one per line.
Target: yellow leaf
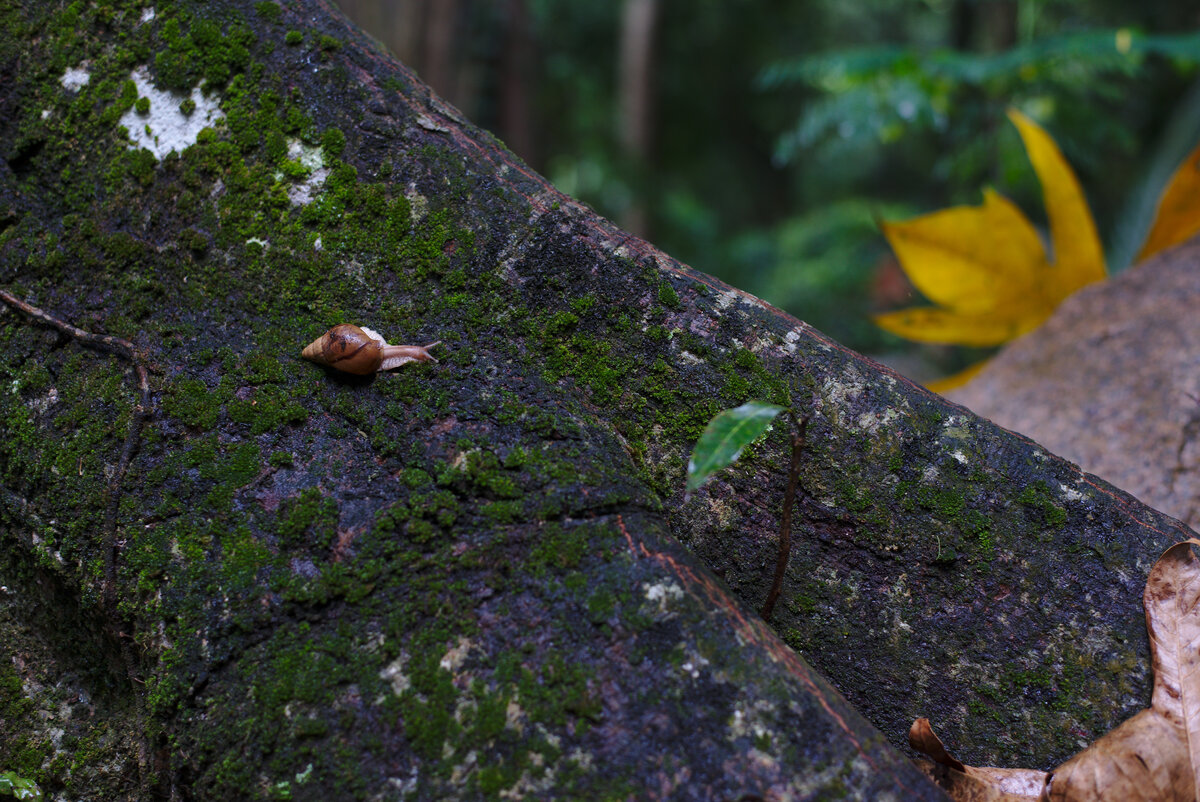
(1078, 255)
(1178, 215)
(933, 324)
(956, 380)
(985, 268)
(967, 257)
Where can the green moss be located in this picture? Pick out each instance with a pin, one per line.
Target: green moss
(333, 141)
(309, 520)
(268, 10)
(195, 50)
(142, 106)
(242, 465)
(583, 304)
(668, 297)
(190, 401)
(281, 459)
(600, 606)
(502, 512)
(1037, 495)
(293, 38)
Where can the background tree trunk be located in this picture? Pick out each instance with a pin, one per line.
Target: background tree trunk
(479, 576)
(635, 89)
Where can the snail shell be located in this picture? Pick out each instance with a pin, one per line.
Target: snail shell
(361, 351)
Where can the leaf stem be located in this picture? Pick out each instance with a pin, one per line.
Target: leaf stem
(785, 525)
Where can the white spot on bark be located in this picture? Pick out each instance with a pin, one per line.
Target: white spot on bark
(75, 78)
(453, 659)
(726, 299)
(148, 15)
(660, 592)
(313, 160)
(1070, 493)
(872, 422)
(792, 337)
(418, 204)
(393, 673)
(165, 128)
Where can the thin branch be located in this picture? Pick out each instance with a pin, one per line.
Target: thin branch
(112, 501)
(785, 525)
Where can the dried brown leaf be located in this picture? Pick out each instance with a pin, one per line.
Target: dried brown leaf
(922, 738)
(972, 783)
(963, 787)
(1172, 602)
(1143, 760)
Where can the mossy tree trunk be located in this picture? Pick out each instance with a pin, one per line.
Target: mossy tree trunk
(481, 576)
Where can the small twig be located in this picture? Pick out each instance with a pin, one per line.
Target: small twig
(785, 525)
(125, 350)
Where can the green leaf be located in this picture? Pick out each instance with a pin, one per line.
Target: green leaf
(18, 787)
(725, 436)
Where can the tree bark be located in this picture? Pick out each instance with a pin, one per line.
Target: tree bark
(477, 577)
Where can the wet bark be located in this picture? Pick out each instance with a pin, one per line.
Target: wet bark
(476, 577)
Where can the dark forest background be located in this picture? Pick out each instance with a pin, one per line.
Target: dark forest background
(762, 141)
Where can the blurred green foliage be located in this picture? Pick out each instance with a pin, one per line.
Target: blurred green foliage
(785, 128)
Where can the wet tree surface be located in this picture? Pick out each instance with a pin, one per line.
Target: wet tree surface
(478, 577)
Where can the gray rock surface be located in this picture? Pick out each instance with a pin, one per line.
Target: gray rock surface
(1112, 382)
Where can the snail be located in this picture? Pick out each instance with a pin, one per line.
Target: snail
(361, 351)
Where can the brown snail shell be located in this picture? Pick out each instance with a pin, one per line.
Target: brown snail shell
(360, 351)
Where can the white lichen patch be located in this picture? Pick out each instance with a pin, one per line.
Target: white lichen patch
(165, 128)
(872, 422)
(723, 513)
(792, 337)
(418, 204)
(312, 159)
(1070, 493)
(464, 769)
(688, 358)
(958, 455)
(815, 783)
(529, 786)
(840, 393)
(393, 673)
(929, 475)
(453, 659)
(660, 594)
(582, 759)
(147, 15)
(75, 78)
(406, 786)
(748, 721)
(726, 299)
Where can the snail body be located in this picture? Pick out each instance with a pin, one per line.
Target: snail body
(361, 351)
